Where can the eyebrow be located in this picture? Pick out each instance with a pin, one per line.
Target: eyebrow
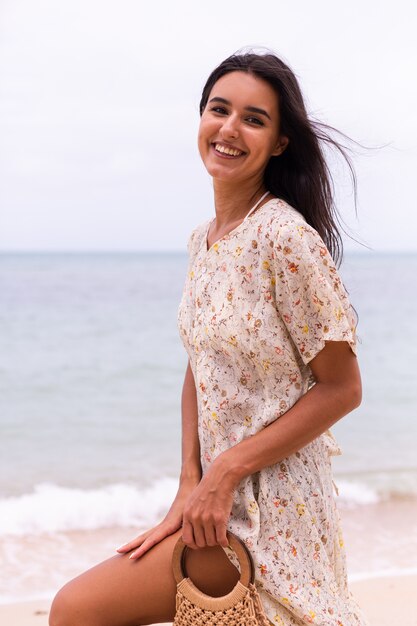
(251, 109)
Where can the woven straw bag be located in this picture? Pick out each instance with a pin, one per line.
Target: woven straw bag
(240, 607)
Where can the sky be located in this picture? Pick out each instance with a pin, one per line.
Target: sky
(99, 114)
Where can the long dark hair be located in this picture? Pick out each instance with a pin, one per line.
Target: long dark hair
(300, 175)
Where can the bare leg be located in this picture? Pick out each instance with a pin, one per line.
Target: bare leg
(122, 592)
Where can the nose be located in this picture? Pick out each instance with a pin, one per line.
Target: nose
(230, 127)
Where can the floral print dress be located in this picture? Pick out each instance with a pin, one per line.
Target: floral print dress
(256, 308)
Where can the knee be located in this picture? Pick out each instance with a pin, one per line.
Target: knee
(58, 612)
(62, 609)
(69, 609)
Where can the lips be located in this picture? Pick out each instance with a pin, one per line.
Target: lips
(227, 150)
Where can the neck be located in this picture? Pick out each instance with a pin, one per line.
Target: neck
(232, 203)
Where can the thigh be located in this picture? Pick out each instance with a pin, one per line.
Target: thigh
(121, 592)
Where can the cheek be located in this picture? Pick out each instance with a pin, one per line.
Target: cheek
(202, 130)
(267, 146)
(205, 133)
(201, 141)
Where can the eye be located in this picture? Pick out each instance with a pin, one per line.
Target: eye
(255, 120)
(219, 109)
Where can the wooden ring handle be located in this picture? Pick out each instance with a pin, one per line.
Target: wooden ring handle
(247, 570)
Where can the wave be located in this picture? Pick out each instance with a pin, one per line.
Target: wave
(352, 494)
(52, 508)
(374, 487)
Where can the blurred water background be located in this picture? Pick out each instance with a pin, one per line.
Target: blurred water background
(91, 370)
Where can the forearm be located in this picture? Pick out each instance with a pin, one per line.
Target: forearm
(315, 412)
(191, 465)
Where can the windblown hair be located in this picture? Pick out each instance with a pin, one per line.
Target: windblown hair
(300, 175)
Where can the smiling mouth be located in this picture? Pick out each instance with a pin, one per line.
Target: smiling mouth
(233, 152)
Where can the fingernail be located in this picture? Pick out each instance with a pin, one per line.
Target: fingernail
(121, 547)
(132, 556)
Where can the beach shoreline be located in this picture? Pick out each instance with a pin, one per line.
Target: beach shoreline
(385, 600)
(380, 541)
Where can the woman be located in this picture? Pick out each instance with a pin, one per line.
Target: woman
(271, 340)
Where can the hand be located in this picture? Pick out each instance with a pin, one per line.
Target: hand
(171, 523)
(207, 511)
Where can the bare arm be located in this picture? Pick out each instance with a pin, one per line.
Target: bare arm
(191, 465)
(189, 478)
(337, 392)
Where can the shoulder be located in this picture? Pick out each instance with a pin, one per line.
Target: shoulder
(287, 231)
(283, 219)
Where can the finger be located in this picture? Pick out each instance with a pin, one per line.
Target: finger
(151, 541)
(199, 536)
(188, 536)
(221, 536)
(210, 535)
(162, 530)
(127, 547)
(145, 546)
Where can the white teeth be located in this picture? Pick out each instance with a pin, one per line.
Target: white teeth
(229, 151)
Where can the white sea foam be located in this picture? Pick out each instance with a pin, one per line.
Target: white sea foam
(51, 508)
(40, 548)
(392, 572)
(355, 493)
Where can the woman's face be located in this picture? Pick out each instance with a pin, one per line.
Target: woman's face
(240, 128)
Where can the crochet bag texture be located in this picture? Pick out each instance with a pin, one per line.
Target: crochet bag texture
(240, 607)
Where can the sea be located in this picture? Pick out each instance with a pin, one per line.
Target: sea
(91, 372)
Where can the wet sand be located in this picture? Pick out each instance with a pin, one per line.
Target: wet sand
(387, 601)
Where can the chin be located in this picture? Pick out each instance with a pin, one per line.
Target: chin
(219, 172)
(227, 177)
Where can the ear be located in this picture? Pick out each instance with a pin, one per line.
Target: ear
(281, 145)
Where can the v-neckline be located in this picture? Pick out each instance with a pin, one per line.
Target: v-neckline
(207, 249)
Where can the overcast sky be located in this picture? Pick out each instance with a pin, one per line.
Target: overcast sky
(99, 113)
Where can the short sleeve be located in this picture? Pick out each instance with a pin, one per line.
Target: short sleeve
(310, 295)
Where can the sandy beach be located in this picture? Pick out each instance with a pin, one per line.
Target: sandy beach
(381, 542)
(387, 601)
(384, 583)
